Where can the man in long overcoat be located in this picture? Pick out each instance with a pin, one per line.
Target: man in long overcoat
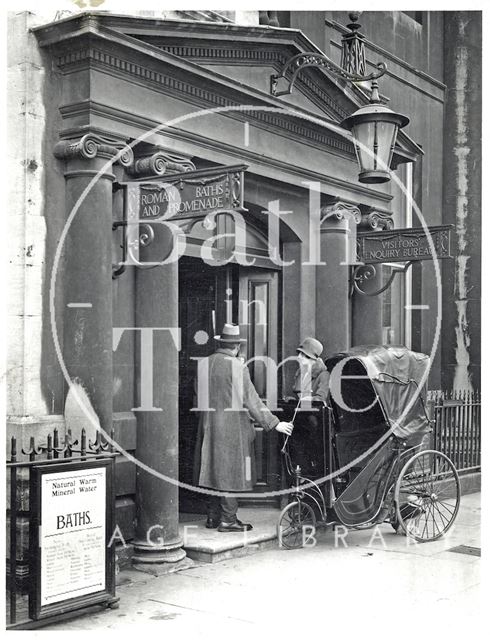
(224, 452)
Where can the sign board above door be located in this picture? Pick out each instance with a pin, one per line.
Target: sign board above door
(190, 194)
(404, 245)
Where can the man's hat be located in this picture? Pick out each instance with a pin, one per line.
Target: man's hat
(230, 334)
(311, 348)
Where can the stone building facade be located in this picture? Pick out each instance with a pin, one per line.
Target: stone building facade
(98, 100)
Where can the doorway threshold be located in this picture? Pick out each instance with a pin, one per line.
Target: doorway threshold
(210, 545)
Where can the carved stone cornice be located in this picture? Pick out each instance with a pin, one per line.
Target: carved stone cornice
(158, 164)
(341, 211)
(90, 146)
(211, 53)
(174, 84)
(379, 220)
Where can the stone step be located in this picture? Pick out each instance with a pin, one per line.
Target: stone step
(210, 545)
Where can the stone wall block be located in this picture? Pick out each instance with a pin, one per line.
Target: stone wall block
(23, 365)
(27, 234)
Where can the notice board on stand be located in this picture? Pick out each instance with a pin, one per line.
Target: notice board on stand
(72, 561)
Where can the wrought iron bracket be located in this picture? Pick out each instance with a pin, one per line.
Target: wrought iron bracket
(301, 61)
(365, 272)
(146, 236)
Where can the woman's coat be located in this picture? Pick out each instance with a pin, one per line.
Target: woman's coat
(312, 382)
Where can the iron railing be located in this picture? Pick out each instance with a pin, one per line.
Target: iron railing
(457, 428)
(20, 584)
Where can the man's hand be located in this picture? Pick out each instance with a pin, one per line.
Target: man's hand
(285, 427)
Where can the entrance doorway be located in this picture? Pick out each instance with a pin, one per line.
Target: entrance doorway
(209, 297)
(258, 315)
(201, 309)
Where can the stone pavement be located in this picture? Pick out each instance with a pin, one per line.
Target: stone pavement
(376, 585)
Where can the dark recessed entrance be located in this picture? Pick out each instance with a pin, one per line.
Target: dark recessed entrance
(208, 297)
(202, 308)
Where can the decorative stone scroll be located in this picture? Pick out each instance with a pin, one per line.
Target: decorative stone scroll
(159, 164)
(379, 220)
(341, 211)
(91, 145)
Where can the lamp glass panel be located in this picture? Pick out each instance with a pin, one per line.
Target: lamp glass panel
(386, 132)
(364, 135)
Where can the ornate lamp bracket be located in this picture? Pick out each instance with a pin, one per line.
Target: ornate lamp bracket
(364, 272)
(297, 63)
(352, 67)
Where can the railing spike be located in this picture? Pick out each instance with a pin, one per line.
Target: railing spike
(83, 442)
(94, 446)
(67, 447)
(13, 449)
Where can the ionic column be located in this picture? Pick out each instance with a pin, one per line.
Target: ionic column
(84, 322)
(332, 278)
(157, 365)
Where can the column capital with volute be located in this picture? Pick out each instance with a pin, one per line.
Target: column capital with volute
(157, 163)
(92, 145)
(338, 215)
(373, 219)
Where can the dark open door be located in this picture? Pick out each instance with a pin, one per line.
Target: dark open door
(258, 294)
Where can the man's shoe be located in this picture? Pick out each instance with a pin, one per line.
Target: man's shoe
(234, 526)
(212, 523)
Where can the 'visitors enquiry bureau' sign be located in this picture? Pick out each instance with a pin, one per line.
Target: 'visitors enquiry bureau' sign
(404, 245)
(72, 533)
(187, 194)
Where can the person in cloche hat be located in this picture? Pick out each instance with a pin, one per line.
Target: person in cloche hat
(224, 451)
(311, 383)
(312, 378)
